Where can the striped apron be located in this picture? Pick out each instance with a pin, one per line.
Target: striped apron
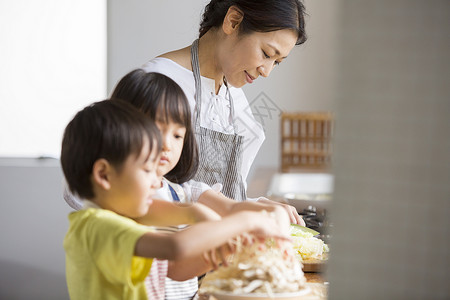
(220, 154)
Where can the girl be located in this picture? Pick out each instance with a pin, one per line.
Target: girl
(163, 101)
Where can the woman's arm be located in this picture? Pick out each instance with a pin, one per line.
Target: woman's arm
(223, 205)
(199, 238)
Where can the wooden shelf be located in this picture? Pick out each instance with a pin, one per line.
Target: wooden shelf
(306, 140)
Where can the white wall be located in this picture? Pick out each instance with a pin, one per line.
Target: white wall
(52, 64)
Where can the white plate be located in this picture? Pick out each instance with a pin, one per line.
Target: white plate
(283, 296)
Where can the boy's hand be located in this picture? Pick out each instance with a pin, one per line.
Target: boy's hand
(282, 218)
(274, 224)
(219, 255)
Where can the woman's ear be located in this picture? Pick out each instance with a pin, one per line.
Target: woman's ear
(232, 20)
(101, 173)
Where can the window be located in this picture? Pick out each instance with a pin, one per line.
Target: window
(53, 63)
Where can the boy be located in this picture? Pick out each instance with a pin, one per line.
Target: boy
(110, 153)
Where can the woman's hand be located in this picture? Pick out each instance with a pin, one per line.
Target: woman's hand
(224, 206)
(294, 217)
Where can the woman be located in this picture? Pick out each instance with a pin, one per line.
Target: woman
(239, 41)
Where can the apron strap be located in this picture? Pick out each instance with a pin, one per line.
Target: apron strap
(198, 90)
(198, 84)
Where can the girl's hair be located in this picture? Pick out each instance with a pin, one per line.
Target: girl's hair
(112, 130)
(259, 16)
(162, 99)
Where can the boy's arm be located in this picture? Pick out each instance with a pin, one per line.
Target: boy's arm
(185, 269)
(199, 238)
(164, 213)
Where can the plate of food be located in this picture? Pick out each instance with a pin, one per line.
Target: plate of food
(219, 295)
(259, 270)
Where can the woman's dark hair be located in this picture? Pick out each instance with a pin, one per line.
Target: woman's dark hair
(112, 130)
(162, 99)
(259, 16)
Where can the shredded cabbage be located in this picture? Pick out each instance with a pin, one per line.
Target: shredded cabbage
(306, 246)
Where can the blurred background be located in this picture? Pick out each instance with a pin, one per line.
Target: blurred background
(381, 67)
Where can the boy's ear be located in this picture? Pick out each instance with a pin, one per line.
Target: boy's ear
(101, 173)
(232, 20)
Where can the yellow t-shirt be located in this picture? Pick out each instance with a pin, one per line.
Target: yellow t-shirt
(100, 264)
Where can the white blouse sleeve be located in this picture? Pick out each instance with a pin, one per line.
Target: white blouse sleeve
(193, 189)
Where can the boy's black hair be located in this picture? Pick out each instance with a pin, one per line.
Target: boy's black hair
(155, 93)
(112, 130)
